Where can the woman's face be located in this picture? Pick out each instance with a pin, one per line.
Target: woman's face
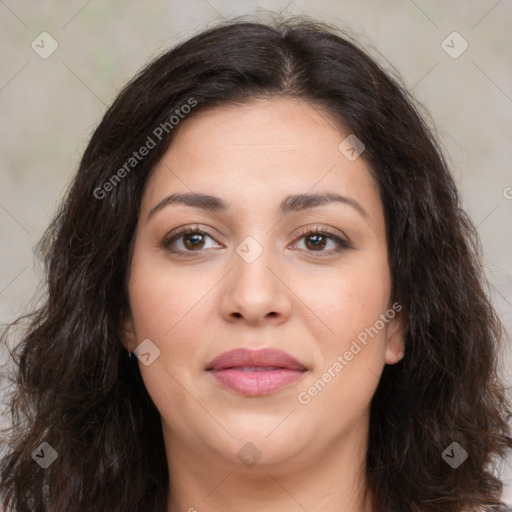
(251, 278)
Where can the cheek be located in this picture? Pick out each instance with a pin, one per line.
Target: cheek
(348, 300)
(164, 307)
(351, 345)
(162, 298)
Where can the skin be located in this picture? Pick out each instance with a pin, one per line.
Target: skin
(291, 297)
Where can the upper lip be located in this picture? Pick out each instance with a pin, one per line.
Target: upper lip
(245, 357)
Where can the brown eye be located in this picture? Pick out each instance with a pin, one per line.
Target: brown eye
(317, 239)
(193, 241)
(187, 240)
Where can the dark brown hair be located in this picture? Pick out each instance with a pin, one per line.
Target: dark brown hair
(75, 388)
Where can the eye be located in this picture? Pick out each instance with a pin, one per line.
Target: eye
(193, 240)
(316, 240)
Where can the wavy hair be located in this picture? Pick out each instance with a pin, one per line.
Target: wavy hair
(75, 386)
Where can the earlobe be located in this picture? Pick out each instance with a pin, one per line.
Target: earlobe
(127, 333)
(395, 340)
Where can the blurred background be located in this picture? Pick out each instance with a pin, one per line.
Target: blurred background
(63, 65)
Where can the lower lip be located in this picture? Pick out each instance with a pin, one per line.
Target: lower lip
(256, 383)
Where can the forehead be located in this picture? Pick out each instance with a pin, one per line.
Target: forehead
(257, 153)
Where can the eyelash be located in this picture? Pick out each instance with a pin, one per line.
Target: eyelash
(179, 233)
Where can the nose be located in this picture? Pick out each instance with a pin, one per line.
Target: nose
(256, 292)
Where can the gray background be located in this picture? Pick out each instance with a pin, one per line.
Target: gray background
(49, 106)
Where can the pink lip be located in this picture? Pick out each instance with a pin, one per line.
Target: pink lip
(273, 369)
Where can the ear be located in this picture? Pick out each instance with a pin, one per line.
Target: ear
(127, 333)
(395, 339)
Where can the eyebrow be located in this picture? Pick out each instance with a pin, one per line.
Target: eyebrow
(292, 203)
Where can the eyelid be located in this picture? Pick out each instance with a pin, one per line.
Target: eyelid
(335, 233)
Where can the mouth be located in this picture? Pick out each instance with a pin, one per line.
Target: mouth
(255, 373)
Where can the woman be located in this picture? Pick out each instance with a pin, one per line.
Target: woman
(263, 294)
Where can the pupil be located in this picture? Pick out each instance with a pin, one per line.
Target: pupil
(196, 236)
(316, 244)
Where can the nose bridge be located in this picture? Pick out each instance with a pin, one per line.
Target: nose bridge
(254, 256)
